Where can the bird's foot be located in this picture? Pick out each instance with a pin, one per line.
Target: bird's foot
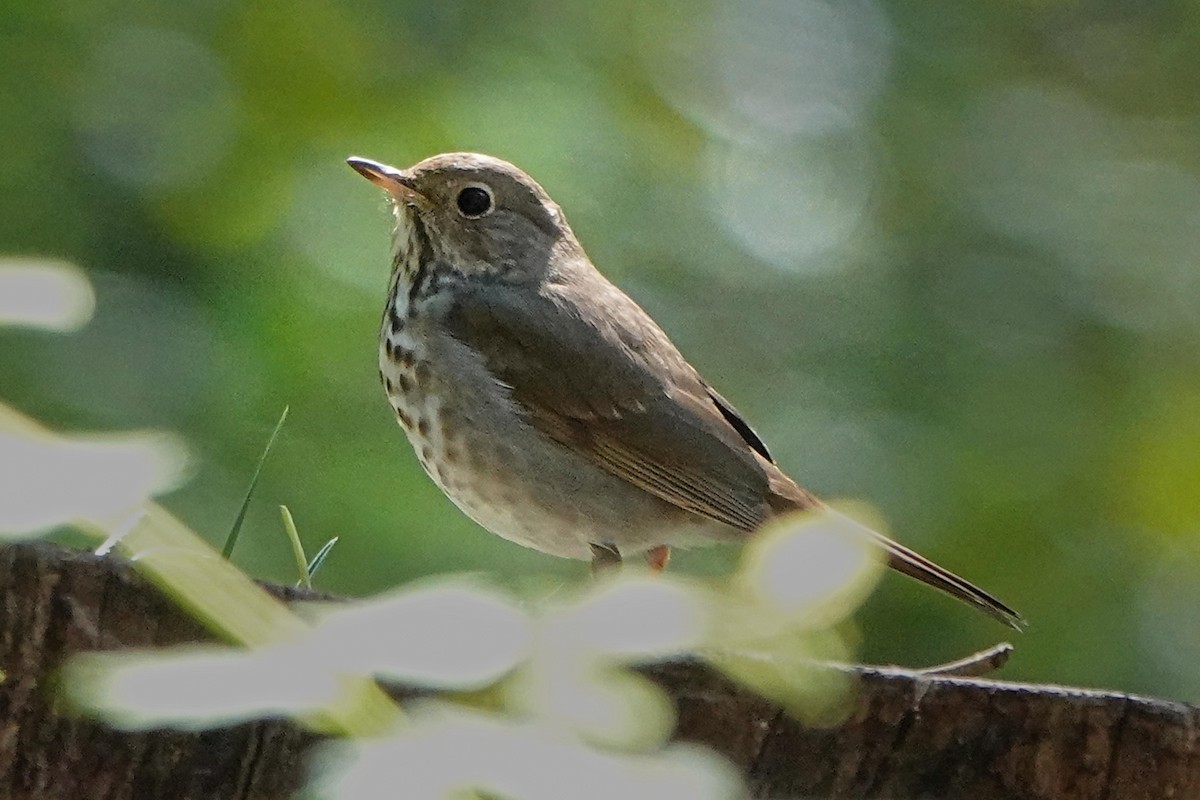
(605, 558)
(657, 558)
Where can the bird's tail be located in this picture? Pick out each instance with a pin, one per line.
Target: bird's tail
(786, 495)
(915, 565)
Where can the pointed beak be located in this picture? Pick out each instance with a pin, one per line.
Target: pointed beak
(391, 180)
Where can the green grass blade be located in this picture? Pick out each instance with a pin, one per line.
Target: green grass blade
(289, 527)
(319, 558)
(232, 538)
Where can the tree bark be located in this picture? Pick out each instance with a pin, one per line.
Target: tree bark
(909, 735)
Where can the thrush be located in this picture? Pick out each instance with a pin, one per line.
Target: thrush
(547, 404)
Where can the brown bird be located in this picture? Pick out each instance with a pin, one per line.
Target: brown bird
(546, 403)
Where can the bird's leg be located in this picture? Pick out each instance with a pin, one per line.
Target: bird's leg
(605, 558)
(657, 558)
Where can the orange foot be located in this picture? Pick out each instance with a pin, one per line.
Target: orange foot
(658, 558)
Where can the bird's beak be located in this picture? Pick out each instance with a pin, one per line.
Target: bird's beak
(391, 180)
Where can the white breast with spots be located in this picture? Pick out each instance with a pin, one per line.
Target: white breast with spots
(512, 480)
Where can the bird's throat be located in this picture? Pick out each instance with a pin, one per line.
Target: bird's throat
(411, 254)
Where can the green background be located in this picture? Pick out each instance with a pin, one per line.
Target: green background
(944, 257)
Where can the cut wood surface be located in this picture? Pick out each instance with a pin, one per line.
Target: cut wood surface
(911, 735)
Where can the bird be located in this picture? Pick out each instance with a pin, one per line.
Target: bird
(547, 404)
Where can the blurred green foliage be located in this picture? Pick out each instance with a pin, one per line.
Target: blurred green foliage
(943, 257)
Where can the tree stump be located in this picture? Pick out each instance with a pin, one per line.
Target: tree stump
(910, 735)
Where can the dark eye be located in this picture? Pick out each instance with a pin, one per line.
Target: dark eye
(474, 202)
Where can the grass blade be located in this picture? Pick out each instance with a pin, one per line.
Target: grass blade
(319, 558)
(232, 538)
(289, 526)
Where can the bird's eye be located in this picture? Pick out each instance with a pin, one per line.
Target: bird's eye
(475, 201)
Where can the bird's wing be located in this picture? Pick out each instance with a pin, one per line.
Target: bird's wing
(599, 377)
(592, 371)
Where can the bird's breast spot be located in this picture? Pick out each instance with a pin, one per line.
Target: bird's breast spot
(398, 350)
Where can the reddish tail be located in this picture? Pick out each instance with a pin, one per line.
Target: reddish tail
(915, 565)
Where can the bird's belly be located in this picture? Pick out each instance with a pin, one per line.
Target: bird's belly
(515, 481)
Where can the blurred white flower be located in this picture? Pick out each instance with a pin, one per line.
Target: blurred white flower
(196, 687)
(49, 480)
(450, 635)
(602, 704)
(38, 293)
(636, 618)
(812, 569)
(447, 753)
